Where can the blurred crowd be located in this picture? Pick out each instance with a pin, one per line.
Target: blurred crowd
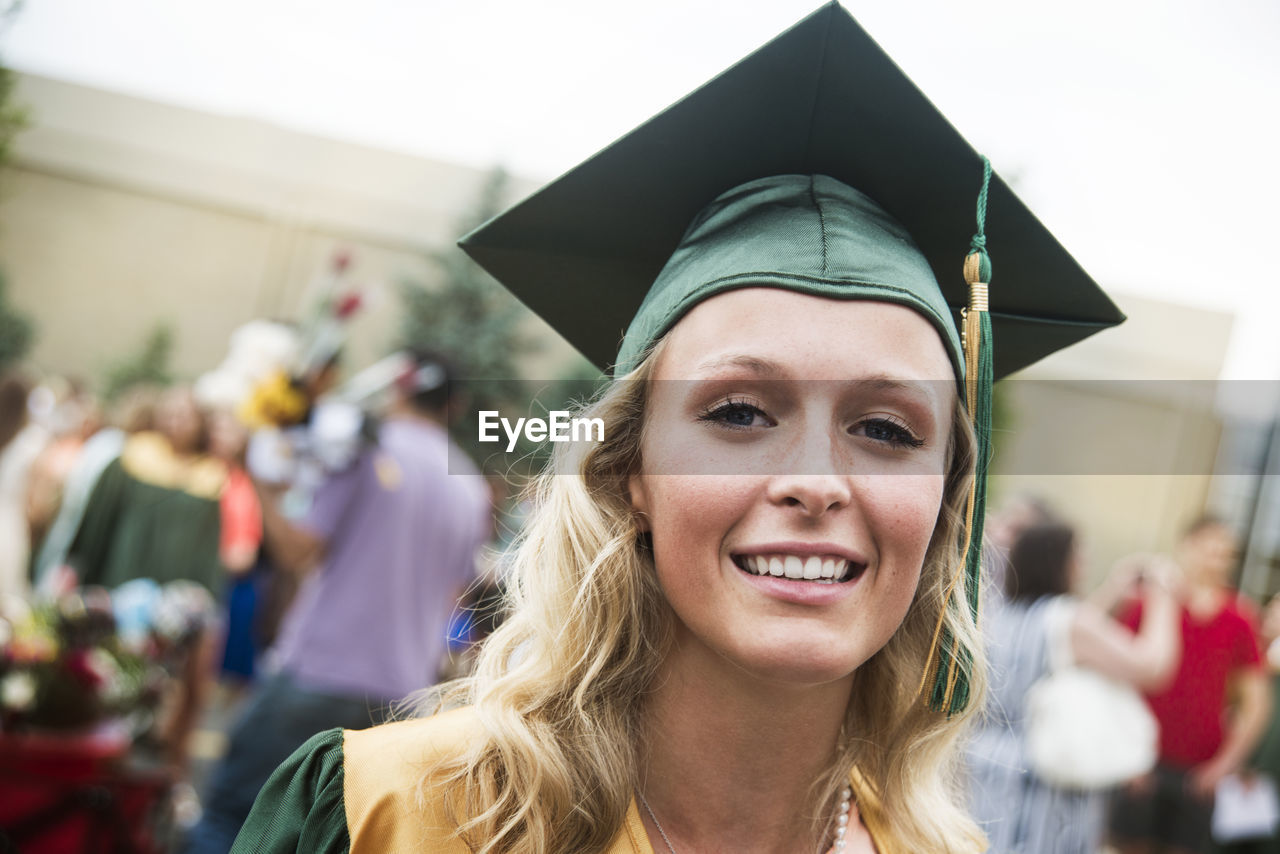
(332, 545)
(1134, 717)
(331, 538)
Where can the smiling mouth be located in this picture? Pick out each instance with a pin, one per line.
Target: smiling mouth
(820, 570)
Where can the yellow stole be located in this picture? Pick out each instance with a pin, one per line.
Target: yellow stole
(388, 812)
(149, 458)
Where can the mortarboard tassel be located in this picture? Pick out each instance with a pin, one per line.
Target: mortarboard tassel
(947, 672)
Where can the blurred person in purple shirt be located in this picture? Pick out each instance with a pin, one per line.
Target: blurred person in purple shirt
(387, 546)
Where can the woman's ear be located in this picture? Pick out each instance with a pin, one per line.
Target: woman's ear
(639, 497)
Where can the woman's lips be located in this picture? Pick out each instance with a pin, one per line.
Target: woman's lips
(820, 563)
(829, 569)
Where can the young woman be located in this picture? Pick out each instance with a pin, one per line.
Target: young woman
(742, 622)
(1042, 621)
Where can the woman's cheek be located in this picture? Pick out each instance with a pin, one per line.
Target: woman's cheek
(696, 509)
(905, 509)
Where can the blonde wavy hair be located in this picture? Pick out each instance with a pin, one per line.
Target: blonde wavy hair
(559, 687)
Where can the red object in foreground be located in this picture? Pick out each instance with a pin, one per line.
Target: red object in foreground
(79, 794)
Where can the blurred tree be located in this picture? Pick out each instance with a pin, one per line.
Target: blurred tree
(149, 366)
(14, 117)
(16, 332)
(481, 327)
(469, 316)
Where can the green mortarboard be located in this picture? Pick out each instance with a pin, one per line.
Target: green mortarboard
(820, 99)
(814, 165)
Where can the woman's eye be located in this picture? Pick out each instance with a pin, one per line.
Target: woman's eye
(890, 432)
(737, 414)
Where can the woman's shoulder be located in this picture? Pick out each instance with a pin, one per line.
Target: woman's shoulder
(362, 791)
(390, 748)
(390, 797)
(300, 807)
(393, 797)
(1016, 617)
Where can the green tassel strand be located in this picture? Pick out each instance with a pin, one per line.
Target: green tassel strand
(951, 681)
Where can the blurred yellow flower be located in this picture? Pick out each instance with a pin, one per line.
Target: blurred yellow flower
(275, 401)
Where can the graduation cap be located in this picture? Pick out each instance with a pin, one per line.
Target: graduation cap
(824, 99)
(814, 165)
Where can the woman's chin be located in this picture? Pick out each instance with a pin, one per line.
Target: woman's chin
(798, 665)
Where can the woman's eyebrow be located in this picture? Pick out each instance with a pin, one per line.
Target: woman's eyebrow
(754, 364)
(884, 382)
(922, 392)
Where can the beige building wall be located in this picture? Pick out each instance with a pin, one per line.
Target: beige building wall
(1120, 433)
(118, 214)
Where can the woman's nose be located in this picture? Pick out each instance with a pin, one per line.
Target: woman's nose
(813, 494)
(816, 479)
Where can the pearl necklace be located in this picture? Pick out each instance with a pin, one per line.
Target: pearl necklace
(842, 820)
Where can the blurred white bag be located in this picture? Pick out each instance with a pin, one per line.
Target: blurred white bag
(1084, 730)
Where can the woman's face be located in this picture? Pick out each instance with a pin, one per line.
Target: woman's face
(794, 434)
(178, 418)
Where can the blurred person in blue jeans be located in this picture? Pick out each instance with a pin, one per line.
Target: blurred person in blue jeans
(388, 544)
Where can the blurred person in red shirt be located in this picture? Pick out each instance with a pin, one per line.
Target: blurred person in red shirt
(1169, 811)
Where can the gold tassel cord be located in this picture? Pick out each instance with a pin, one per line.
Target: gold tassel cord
(948, 666)
(944, 662)
(972, 353)
(971, 339)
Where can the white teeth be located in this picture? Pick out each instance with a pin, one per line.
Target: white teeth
(812, 568)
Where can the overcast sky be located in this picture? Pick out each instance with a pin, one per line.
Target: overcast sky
(1144, 134)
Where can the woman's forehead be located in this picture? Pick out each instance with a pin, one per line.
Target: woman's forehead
(788, 335)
